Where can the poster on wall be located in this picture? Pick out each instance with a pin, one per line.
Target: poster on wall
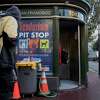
(35, 42)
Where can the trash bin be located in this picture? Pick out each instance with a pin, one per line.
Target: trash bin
(27, 76)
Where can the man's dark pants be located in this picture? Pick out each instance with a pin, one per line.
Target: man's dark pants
(6, 84)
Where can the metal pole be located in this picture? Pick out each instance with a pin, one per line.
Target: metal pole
(79, 54)
(97, 6)
(99, 46)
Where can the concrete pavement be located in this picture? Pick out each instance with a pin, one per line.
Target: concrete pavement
(90, 93)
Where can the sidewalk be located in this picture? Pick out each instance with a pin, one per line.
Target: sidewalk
(90, 93)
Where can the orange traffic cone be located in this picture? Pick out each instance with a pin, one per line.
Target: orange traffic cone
(16, 91)
(43, 86)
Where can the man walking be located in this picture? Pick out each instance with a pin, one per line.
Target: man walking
(8, 33)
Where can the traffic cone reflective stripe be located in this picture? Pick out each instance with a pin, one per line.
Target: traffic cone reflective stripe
(44, 81)
(43, 86)
(16, 91)
(43, 74)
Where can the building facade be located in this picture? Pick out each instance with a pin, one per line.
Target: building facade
(54, 33)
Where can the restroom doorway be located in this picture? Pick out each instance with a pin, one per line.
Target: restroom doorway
(69, 54)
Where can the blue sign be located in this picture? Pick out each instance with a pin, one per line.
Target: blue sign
(35, 42)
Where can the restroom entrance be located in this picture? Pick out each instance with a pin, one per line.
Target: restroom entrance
(69, 44)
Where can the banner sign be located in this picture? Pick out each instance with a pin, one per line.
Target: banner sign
(35, 41)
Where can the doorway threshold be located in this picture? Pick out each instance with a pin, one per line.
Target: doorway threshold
(67, 85)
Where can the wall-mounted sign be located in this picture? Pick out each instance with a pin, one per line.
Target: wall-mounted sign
(35, 41)
(72, 13)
